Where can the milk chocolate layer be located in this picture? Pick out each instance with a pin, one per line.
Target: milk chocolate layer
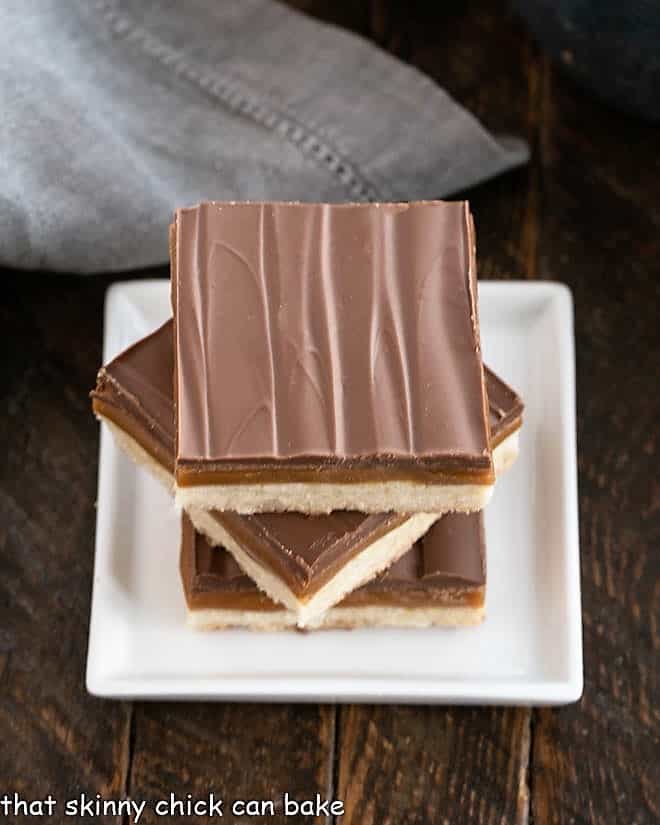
(135, 392)
(505, 408)
(307, 551)
(336, 343)
(446, 567)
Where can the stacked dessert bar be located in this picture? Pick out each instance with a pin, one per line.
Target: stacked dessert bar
(319, 407)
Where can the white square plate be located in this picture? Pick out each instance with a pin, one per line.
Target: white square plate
(529, 649)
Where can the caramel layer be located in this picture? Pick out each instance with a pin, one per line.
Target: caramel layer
(378, 471)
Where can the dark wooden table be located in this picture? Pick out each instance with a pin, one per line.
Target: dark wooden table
(587, 212)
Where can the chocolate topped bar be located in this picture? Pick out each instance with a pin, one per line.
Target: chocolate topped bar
(134, 392)
(322, 343)
(445, 568)
(505, 408)
(136, 387)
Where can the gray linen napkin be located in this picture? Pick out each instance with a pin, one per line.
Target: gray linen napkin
(114, 112)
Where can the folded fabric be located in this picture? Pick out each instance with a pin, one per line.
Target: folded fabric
(115, 113)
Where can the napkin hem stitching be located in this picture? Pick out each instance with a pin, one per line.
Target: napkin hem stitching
(249, 104)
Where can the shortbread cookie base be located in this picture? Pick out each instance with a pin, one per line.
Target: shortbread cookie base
(371, 561)
(377, 616)
(319, 499)
(338, 617)
(138, 454)
(506, 452)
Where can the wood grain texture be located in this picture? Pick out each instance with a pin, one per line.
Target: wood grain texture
(597, 762)
(401, 765)
(55, 737)
(238, 751)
